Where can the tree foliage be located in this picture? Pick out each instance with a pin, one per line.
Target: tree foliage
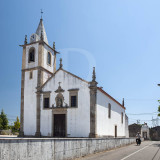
(159, 108)
(3, 120)
(17, 124)
(1, 124)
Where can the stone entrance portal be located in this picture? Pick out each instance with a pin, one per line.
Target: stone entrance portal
(59, 129)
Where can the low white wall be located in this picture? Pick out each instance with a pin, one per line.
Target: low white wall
(56, 149)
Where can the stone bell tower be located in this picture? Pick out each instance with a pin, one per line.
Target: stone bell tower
(38, 64)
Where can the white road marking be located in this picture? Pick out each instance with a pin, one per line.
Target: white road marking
(136, 152)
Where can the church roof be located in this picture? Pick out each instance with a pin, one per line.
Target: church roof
(41, 30)
(66, 72)
(100, 89)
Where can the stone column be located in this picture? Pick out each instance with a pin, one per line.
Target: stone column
(39, 83)
(38, 122)
(93, 106)
(21, 133)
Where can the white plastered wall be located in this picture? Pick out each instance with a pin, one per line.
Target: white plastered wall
(105, 125)
(29, 94)
(78, 119)
(30, 103)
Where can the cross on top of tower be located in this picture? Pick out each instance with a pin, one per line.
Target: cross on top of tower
(41, 13)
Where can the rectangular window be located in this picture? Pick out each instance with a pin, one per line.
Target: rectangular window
(73, 97)
(109, 110)
(46, 102)
(122, 117)
(73, 101)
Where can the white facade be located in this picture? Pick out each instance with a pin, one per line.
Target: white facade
(40, 83)
(78, 121)
(145, 131)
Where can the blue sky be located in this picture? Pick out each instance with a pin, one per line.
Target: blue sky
(120, 38)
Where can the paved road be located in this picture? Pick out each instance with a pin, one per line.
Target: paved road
(148, 150)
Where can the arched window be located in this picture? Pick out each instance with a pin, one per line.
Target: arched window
(31, 57)
(49, 58)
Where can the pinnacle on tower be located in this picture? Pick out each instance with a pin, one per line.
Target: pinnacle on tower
(94, 75)
(25, 41)
(54, 46)
(60, 65)
(123, 102)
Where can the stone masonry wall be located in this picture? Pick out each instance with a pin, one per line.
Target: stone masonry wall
(56, 148)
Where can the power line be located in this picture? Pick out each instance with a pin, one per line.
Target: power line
(154, 113)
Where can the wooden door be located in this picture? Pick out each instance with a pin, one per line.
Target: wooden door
(59, 125)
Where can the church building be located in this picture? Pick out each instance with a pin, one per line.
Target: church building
(57, 103)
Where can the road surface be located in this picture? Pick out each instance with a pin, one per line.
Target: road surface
(148, 150)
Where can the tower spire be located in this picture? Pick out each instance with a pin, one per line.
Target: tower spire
(41, 30)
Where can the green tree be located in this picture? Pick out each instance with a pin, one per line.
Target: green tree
(3, 121)
(17, 124)
(1, 124)
(159, 108)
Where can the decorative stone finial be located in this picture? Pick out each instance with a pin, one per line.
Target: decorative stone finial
(42, 35)
(25, 41)
(94, 75)
(54, 47)
(123, 102)
(60, 65)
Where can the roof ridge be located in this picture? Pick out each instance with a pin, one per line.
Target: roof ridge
(100, 89)
(74, 75)
(64, 71)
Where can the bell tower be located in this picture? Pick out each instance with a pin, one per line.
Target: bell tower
(38, 64)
